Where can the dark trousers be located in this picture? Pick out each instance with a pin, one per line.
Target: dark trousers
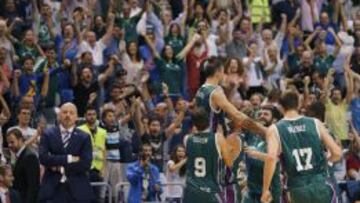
(63, 195)
(94, 176)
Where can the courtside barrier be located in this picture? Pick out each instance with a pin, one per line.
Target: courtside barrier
(104, 185)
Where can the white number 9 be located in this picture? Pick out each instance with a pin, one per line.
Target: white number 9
(200, 167)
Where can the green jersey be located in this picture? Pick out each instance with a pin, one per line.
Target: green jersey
(202, 99)
(202, 163)
(302, 152)
(171, 74)
(255, 168)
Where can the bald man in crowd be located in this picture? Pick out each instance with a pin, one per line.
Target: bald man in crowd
(66, 153)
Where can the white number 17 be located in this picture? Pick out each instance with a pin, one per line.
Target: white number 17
(303, 153)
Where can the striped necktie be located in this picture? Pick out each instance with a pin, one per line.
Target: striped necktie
(66, 138)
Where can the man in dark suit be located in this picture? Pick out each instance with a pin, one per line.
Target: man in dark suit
(66, 153)
(7, 194)
(27, 167)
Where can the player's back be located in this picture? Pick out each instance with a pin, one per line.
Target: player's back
(202, 168)
(303, 161)
(203, 96)
(202, 162)
(302, 151)
(203, 100)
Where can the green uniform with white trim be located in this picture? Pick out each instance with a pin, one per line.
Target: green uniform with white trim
(202, 168)
(203, 100)
(302, 156)
(255, 170)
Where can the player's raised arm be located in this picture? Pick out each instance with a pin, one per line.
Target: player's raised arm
(273, 148)
(219, 99)
(329, 142)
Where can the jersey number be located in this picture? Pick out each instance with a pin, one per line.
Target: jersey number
(200, 167)
(300, 154)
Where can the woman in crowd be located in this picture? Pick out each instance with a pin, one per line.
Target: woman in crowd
(176, 174)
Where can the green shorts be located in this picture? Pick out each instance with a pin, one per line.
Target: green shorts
(195, 195)
(313, 193)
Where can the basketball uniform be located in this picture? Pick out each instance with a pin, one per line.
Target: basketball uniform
(202, 183)
(302, 156)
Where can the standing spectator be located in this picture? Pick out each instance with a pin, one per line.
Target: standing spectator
(28, 46)
(97, 47)
(67, 42)
(131, 61)
(66, 153)
(325, 24)
(197, 13)
(274, 67)
(197, 54)
(98, 136)
(144, 178)
(336, 107)
(323, 61)
(113, 171)
(49, 64)
(44, 24)
(27, 83)
(176, 38)
(233, 80)
(7, 194)
(23, 116)
(157, 137)
(171, 66)
(295, 52)
(212, 40)
(176, 170)
(254, 66)
(27, 167)
(223, 26)
(86, 86)
(129, 22)
(237, 47)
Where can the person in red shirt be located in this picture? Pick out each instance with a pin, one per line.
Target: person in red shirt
(194, 59)
(353, 158)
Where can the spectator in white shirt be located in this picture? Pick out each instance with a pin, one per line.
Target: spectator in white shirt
(23, 116)
(267, 40)
(274, 67)
(176, 169)
(254, 69)
(97, 47)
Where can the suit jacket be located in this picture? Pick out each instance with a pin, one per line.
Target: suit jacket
(14, 197)
(53, 154)
(27, 176)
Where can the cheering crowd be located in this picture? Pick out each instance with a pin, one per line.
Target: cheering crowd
(115, 81)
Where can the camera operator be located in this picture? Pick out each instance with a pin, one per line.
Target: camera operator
(144, 178)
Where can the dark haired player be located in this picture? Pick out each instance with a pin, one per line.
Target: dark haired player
(298, 139)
